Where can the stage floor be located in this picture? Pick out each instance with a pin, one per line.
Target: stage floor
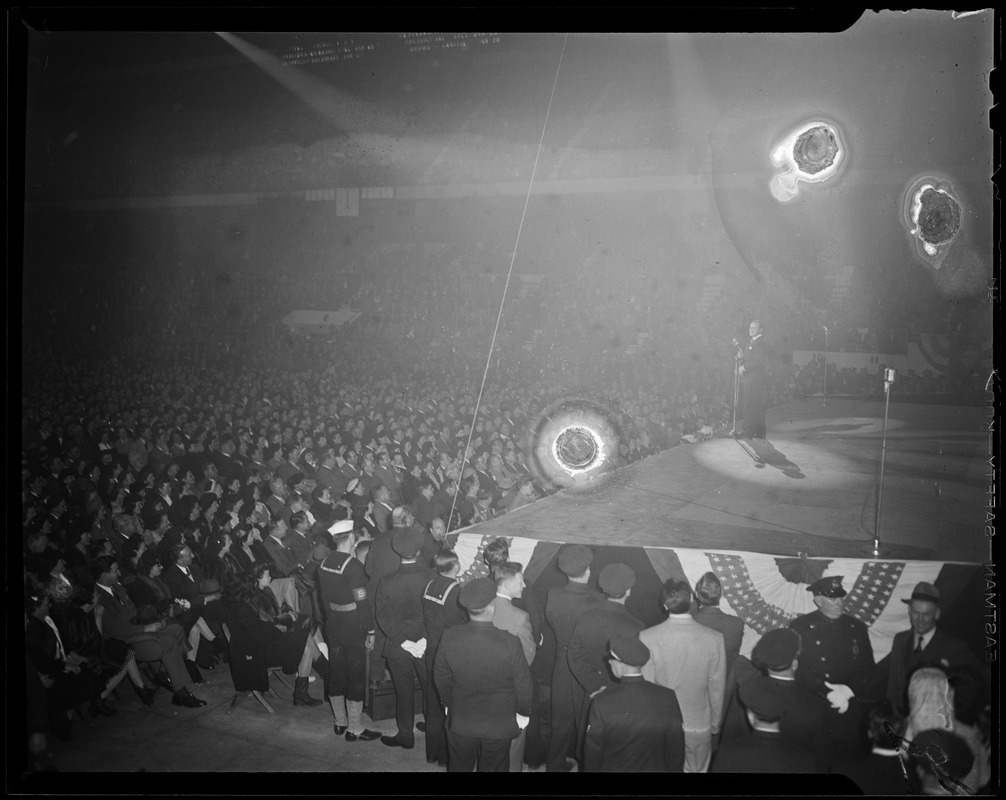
(815, 494)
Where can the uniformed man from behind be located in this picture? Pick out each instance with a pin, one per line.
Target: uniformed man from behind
(563, 607)
(349, 632)
(588, 647)
(802, 723)
(485, 683)
(634, 725)
(765, 750)
(399, 607)
(836, 663)
(441, 610)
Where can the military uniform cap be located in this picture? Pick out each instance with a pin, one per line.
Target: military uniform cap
(776, 649)
(760, 696)
(477, 594)
(407, 542)
(828, 587)
(629, 650)
(342, 526)
(616, 579)
(575, 559)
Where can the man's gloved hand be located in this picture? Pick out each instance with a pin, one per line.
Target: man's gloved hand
(522, 721)
(839, 696)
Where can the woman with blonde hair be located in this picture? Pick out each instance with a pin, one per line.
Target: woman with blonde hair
(931, 707)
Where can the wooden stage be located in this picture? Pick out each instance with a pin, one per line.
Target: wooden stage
(815, 494)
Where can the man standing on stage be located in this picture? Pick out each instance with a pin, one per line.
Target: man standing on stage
(754, 384)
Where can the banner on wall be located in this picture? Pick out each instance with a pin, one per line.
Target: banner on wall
(765, 591)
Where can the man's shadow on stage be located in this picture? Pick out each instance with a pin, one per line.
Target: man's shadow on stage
(766, 451)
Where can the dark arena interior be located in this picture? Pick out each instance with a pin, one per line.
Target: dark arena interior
(353, 363)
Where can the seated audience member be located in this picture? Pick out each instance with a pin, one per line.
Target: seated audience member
(68, 683)
(155, 600)
(271, 638)
(108, 660)
(156, 641)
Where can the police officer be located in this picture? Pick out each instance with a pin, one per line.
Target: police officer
(399, 605)
(441, 610)
(836, 662)
(563, 607)
(349, 632)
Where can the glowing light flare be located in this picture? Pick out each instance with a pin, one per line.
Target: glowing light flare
(575, 444)
(578, 449)
(813, 152)
(933, 216)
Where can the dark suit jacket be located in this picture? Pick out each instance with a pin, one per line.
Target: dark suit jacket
(761, 752)
(944, 650)
(730, 626)
(483, 679)
(282, 558)
(184, 587)
(398, 605)
(635, 726)
(875, 774)
(588, 647)
(117, 622)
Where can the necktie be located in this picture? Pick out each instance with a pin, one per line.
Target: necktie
(918, 646)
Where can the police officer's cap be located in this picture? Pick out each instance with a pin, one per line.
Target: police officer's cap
(477, 594)
(828, 587)
(776, 649)
(575, 559)
(629, 650)
(616, 579)
(407, 542)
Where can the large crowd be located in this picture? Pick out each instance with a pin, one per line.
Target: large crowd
(169, 505)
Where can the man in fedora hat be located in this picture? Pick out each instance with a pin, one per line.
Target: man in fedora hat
(924, 644)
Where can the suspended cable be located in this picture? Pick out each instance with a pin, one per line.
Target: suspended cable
(513, 258)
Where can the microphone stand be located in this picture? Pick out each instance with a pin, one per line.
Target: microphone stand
(874, 548)
(737, 383)
(824, 399)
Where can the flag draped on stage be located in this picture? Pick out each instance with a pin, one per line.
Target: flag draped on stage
(765, 591)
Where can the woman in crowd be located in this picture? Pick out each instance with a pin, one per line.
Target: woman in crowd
(931, 706)
(279, 639)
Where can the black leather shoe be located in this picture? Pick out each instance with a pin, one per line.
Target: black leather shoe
(421, 726)
(146, 694)
(194, 673)
(162, 680)
(440, 762)
(393, 741)
(366, 736)
(187, 699)
(340, 729)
